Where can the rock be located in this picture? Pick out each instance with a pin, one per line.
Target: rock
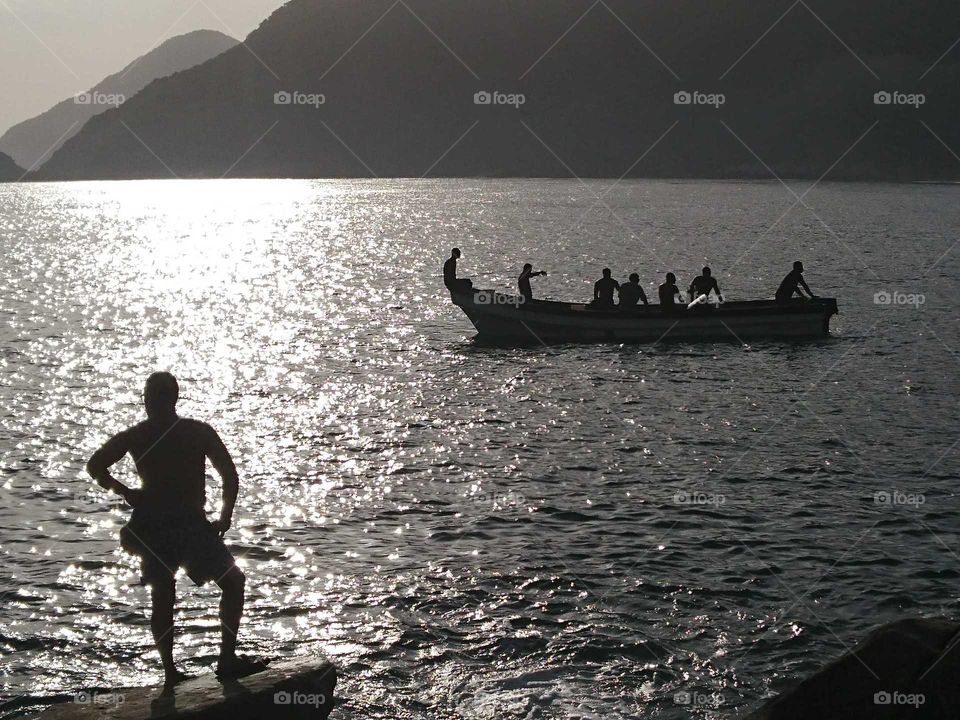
(907, 669)
(301, 688)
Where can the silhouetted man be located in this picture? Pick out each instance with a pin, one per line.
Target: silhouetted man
(450, 279)
(668, 293)
(703, 285)
(524, 281)
(632, 292)
(604, 288)
(169, 528)
(792, 283)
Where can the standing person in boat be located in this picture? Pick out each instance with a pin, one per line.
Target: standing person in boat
(791, 285)
(668, 293)
(169, 528)
(604, 288)
(704, 284)
(632, 292)
(524, 281)
(450, 279)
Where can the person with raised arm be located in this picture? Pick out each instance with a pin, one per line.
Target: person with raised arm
(523, 282)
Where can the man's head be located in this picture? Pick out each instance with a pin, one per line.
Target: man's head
(527, 267)
(634, 278)
(455, 253)
(160, 394)
(606, 272)
(706, 272)
(798, 266)
(671, 278)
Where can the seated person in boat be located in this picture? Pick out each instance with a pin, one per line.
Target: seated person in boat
(450, 279)
(703, 285)
(668, 292)
(632, 292)
(603, 290)
(791, 285)
(524, 281)
(168, 528)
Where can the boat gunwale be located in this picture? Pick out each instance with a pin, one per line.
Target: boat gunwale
(816, 306)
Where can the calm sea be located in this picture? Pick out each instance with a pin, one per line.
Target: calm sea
(565, 532)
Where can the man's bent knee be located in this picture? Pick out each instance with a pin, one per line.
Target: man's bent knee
(233, 581)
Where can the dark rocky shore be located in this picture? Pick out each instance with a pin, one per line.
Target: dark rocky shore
(907, 669)
(301, 688)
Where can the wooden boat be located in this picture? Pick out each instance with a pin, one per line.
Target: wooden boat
(508, 319)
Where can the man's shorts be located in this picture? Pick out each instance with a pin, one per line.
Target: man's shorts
(166, 542)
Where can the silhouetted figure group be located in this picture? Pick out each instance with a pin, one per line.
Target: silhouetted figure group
(631, 293)
(606, 291)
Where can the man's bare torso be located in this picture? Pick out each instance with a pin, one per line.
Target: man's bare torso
(171, 460)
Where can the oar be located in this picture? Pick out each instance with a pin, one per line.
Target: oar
(702, 298)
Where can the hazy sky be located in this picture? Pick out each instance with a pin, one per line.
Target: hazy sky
(53, 49)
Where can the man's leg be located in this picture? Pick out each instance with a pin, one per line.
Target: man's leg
(163, 595)
(231, 610)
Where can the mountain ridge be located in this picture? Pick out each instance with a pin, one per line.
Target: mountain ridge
(9, 170)
(33, 141)
(599, 82)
